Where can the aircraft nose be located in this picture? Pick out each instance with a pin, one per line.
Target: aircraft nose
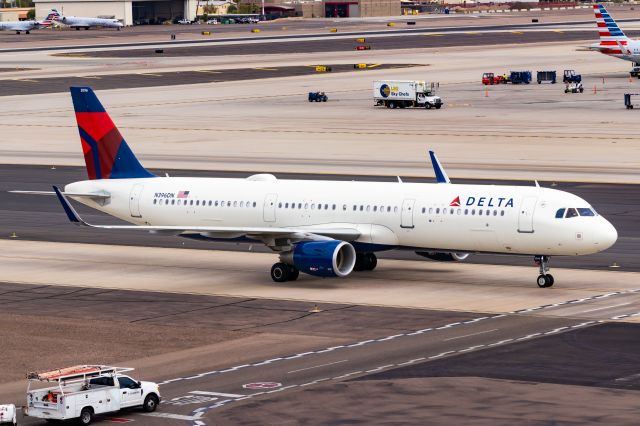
(606, 235)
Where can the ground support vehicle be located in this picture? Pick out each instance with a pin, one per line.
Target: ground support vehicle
(406, 93)
(520, 77)
(573, 88)
(635, 71)
(317, 97)
(8, 415)
(82, 391)
(630, 98)
(549, 76)
(570, 76)
(489, 78)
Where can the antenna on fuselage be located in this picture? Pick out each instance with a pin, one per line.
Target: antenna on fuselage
(399, 180)
(537, 184)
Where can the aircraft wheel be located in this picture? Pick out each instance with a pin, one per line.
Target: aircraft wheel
(550, 280)
(280, 272)
(27, 32)
(542, 281)
(360, 262)
(371, 261)
(294, 273)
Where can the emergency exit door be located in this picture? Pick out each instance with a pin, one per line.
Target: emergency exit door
(406, 220)
(269, 208)
(525, 215)
(134, 200)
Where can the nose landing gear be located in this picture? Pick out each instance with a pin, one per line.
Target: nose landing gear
(544, 279)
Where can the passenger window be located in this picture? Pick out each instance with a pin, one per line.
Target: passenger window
(279, 205)
(326, 207)
(368, 208)
(395, 209)
(254, 204)
(466, 211)
(293, 205)
(444, 211)
(571, 213)
(424, 210)
(560, 213)
(313, 206)
(388, 209)
(197, 202)
(235, 204)
(473, 212)
(501, 212)
(438, 210)
(354, 208)
(586, 212)
(286, 205)
(495, 212)
(155, 201)
(361, 207)
(430, 210)
(375, 208)
(306, 205)
(479, 212)
(241, 203)
(459, 211)
(344, 207)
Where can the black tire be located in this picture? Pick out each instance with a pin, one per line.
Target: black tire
(324, 99)
(392, 105)
(438, 106)
(371, 261)
(539, 82)
(280, 272)
(294, 273)
(86, 416)
(581, 90)
(542, 281)
(630, 106)
(427, 105)
(402, 105)
(360, 264)
(150, 403)
(550, 280)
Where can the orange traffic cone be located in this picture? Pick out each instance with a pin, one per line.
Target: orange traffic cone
(595, 89)
(486, 92)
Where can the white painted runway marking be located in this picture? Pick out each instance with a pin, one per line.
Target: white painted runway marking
(223, 395)
(441, 354)
(472, 334)
(163, 415)
(605, 307)
(317, 366)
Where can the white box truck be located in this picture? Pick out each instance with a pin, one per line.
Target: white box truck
(405, 93)
(82, 391)
(8, 415)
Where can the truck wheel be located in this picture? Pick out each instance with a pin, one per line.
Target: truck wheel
(392, 105)
(439, 106)
(86, 416)
(427, 105)
(150, 403)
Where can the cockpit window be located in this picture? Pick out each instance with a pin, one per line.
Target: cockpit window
(560, 213)
(571, 213)
(586, 212)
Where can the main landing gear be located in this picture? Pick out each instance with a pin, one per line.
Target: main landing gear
(544, 279)
(281, 272)
(365, 262)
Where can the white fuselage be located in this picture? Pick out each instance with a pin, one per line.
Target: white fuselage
(629, 51)
(499, 219)
(18, 25)
(81, 22)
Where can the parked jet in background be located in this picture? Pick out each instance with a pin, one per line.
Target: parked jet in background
(328, 228)
(20, 26)
(78, 22)
(613, 41)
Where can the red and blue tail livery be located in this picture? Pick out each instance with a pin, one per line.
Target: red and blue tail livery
(106, 153)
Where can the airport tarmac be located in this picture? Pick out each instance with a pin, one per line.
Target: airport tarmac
(508, 132)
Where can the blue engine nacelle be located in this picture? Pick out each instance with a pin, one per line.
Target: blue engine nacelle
(322, 258)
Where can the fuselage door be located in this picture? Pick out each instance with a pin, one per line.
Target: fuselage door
(525, 215)
(406, 220)
(134, 200)
(269, 208)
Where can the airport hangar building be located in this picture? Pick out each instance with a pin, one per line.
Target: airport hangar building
(127, 11)
(132, 12)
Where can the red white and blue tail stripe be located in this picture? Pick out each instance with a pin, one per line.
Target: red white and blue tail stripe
(612, 39)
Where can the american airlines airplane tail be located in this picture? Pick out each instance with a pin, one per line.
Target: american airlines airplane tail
(612, 40)
(106, 153)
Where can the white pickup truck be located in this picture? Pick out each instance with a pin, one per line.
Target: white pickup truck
(80, 392)
(406, 93)
(8, 415)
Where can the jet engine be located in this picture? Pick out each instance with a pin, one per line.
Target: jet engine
(443, 257)
(322, 258)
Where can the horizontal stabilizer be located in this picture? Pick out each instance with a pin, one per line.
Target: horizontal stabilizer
(100, 195)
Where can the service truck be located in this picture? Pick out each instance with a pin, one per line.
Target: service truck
(8, 415)
(406, 93)
(82, 391)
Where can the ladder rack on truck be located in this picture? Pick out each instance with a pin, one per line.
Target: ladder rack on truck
(81, 391)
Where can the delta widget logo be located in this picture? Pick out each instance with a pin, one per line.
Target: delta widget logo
(455, 202)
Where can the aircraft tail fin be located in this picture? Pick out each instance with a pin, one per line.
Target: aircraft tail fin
(610, 33)
(106, 153)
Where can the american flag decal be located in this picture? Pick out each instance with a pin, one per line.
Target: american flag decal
(183, 194)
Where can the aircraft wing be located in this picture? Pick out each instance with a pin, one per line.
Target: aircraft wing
(259, 233)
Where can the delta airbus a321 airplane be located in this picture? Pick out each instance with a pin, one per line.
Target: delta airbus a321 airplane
(328, 228)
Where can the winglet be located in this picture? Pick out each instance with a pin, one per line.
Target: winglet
(68, 208)
(441, 175)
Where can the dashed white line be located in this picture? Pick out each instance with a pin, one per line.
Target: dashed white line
(441, 354)
(605, 307)
(364, 342)
(472, 334)
(317, 366)
(384, 339)
(500, 342)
